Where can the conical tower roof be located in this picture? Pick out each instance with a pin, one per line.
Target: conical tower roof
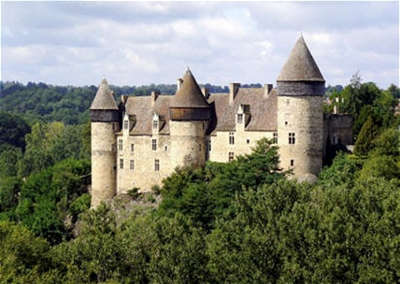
(189, 94)
(104, 99)
(301, 65)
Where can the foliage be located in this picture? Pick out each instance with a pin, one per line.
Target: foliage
(49, 143)
(203, 194)
(22, 255)
(46, 196)
(367, 134)
(12, 130)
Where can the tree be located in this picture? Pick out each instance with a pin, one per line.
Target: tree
(367, 134)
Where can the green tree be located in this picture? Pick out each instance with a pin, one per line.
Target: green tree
(367, 134)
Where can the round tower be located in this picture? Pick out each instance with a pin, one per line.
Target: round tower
(104, 123)
(300, 88)
(189, 115)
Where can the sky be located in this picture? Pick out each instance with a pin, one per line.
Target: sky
(138, 43)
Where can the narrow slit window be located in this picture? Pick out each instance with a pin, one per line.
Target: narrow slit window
(126, 124)
(291, 163)
(209, 145)
(132, 165)
(132, 148)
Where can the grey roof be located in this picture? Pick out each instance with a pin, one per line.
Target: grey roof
(301, 65)
(143, 110)
(104, 99)
(263, 110)
(189, 94)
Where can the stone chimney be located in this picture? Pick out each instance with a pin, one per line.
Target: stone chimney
(233, 89)
(267, 89)
(179, 82)
(154, 96)
(205, 92)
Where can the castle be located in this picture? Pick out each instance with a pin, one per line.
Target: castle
(143, 139)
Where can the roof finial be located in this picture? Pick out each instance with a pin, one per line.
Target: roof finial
(187, 69)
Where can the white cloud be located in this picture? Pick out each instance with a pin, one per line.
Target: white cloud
(150, 42)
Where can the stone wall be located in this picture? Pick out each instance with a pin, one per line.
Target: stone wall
(244, 141)
(185, 146)
(301, 115)
(103, 161)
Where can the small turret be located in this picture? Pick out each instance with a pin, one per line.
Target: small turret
(189, 115)
(300, 87)
(189, 103)
(104, 118)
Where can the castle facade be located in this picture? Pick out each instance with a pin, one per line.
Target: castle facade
(142, 140)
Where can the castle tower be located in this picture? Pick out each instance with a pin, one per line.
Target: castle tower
(189, 115)
(300, 87)
(104, 123)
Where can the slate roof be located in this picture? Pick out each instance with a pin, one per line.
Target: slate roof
(263, 111)
(142, 109)
(104, 99)
(189, 94)
(301, 65)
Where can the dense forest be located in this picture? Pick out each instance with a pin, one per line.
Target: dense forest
(240, 222)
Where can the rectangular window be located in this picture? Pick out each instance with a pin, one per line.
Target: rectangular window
(291, 163)
(292, 138)
(126, 124)
(154, 144)
(231, 138)
(121, 163)
(132, 147)
(231, 156)
(240, 118)
(275, 138)
(120, 145)
(209, 145)
(132, 165)
(155, 124)
(156, 165)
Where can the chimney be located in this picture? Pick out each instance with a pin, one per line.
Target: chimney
(205, 92)
(154, 96)
(179, 82)
(267, 89)
(233, 89)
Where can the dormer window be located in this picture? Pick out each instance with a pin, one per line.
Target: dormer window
(156, 122)
(126, 124)
(240, 118)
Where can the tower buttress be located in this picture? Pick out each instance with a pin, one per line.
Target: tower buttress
(104, 117)
(300, 88)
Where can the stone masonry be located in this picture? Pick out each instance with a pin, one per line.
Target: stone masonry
(143, 140)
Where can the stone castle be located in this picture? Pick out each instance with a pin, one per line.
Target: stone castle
(143, 139)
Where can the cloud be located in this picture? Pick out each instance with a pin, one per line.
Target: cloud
(150, 42)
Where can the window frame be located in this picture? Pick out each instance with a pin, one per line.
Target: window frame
(154, 144)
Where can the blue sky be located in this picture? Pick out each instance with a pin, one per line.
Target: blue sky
(136, 43)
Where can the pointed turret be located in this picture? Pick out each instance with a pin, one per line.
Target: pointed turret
(189, 94)
(104, 99)
(189, 102)
(301, 65)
